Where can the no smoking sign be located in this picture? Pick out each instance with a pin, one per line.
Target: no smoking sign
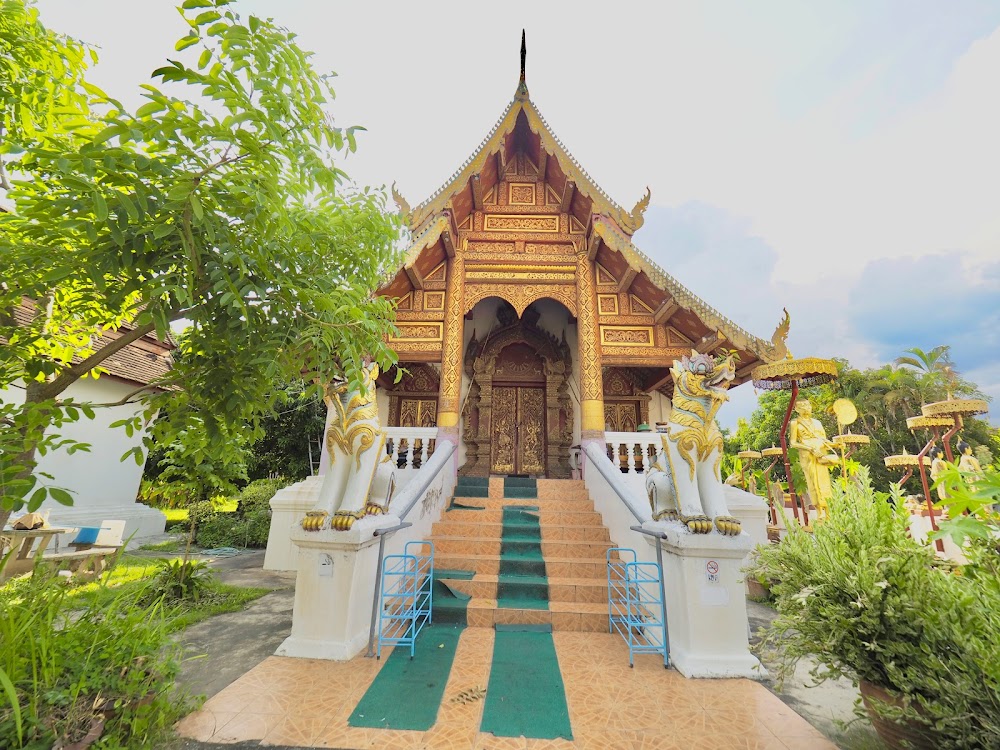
(712, 571)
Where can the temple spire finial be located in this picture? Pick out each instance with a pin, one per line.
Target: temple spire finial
(524, 54)
(522, 87)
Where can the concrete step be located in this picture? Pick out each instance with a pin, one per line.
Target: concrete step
(573, 616)
(549, 531)
(555, 567)
(546, 517)
(520, 544)
(589, 590)
(499, 503)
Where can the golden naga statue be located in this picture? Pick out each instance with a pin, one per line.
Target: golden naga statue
(684, 483)
(816, 454)
(356, 443)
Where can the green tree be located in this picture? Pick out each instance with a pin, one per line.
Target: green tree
(217, 201)
(885, 397)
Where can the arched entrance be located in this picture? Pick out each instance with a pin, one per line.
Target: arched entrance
(518, 419)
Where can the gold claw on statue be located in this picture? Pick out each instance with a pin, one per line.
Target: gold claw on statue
(343, 520)
(669, 515)
(374, 509)
(697, 524)
(727, 525)
(314, 520)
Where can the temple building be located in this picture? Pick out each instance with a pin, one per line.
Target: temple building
(528, 320)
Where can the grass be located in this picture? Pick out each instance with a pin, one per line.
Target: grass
(132, 571)
(179, 515)
(170, 545)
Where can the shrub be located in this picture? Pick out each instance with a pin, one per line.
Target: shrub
(180, 580)
(257, 495)
(247, 527)
(69, 668)
(870, 603)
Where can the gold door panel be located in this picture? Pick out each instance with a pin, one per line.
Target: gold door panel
(518, 431)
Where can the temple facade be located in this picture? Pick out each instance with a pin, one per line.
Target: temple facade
(528, 320)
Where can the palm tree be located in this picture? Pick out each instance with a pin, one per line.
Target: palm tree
(934, 368)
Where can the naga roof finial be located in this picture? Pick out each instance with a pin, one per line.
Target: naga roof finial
(401, 204)
(633, 220)
(780, 337)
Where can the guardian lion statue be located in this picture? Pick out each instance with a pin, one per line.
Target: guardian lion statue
(684, 484)
(355, 442)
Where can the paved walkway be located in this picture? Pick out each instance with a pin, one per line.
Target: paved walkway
(304, 702)
(256, 699)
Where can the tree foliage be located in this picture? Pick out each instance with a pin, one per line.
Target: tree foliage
(885, 397)
(217, 201)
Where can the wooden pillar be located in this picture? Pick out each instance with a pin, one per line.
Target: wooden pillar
(591, 389)
(450, 391)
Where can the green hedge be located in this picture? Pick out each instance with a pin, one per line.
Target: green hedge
(247, 526)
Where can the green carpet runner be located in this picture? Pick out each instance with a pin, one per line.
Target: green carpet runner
(522, 583)
(525, 696)
(406, 693)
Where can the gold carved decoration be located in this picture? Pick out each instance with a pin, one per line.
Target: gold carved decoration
(520, 295)
(423, 331)
(350, 421)
(434, 301)
(504, 424)
(521, 194)
(492, 247)
(591, 397)
(604, 276)
(607, 304)
(405, 302)
(639, 307)
(437, 273)
(521, 273)
(676, 338)
(508, 223)
(575, 227)
(451, 361)
(627, 336)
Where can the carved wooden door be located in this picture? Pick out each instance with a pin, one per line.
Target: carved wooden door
(621, 416)
(417, 412)
(518, 434)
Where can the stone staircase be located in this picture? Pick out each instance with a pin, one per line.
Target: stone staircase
(522, 551)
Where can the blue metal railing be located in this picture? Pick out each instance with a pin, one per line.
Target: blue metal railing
(407, 596)
(636, 609)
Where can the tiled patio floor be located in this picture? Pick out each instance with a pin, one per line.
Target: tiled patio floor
(307, 702)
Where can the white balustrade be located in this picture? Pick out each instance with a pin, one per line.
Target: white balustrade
(410, 447)
(633, 452)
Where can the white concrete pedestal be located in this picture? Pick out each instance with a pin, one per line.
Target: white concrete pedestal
(288, 507)
(706, 602)
(750, 510)
(333, 590)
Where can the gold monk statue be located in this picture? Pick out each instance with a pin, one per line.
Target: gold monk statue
(938, 464)
(816, 454)
(968, 463)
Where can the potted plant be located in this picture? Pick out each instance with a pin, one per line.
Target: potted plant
(863, 600)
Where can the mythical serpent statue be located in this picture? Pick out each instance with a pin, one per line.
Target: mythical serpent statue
(684, 483)
(356, 443)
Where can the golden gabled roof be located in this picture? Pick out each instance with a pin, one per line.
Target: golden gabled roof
(438, 201)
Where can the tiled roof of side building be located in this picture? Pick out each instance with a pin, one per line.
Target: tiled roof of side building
(144, 361)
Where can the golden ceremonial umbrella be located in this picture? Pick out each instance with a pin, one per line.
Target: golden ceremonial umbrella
(791, 374)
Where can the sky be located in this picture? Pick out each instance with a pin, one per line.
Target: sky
(840, 159)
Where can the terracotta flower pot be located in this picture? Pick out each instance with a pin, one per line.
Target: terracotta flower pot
(906, 734)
